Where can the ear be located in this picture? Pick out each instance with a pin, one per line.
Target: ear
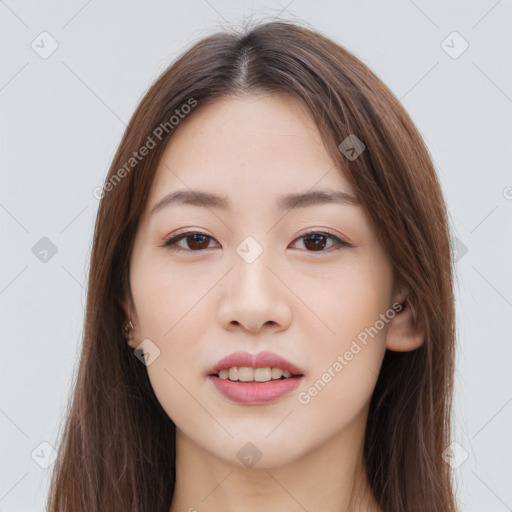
(407, 328)
(129, 312)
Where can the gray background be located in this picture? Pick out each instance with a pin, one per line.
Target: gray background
(62, 118)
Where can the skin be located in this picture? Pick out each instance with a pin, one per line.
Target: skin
(307, 306)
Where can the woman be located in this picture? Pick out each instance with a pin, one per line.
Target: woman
(270, 317)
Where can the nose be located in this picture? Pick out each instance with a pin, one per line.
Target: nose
(255, 297)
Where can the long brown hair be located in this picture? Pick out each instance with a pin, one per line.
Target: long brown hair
(117, 450)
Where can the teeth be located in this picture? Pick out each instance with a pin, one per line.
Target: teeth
(248, 374)
(245, 374)
(262, 374)
(277, 373)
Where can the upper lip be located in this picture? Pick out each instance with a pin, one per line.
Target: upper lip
(260, 360)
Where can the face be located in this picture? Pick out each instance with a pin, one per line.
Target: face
(306, 281)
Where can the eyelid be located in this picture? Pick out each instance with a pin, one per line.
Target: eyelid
(177, 236)
(340, 240)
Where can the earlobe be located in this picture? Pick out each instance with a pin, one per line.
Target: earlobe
(406, 330)
(132, 343)
(128, 328)
(129, 334)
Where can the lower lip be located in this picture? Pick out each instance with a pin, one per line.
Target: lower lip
(255, 392)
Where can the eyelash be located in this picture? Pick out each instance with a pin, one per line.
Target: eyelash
(170, 242)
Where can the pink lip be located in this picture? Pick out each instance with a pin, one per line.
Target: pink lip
(260, 360)
(255, 392)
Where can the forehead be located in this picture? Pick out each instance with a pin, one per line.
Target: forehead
(258, 146)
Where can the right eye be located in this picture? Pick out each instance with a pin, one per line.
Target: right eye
(195, 240)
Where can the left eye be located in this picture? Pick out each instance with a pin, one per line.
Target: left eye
(197, 241)
(318, 240)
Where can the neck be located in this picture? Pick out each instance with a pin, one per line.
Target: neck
(330, 477)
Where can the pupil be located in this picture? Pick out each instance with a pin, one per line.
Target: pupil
(316, 244)
(195, 242)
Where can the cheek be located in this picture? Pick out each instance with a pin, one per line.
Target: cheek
(169, 298)
(349, 298)
(169, 319)
(346, 361)
(175, 321)
(173, 314)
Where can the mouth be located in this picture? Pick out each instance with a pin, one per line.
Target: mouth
(255, 379)
(247, 374)
(261, 367)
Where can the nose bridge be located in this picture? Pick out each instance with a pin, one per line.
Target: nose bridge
(251, 250)
(251, 266)
(253, 295)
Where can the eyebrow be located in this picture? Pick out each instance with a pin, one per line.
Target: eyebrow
(286, 202)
